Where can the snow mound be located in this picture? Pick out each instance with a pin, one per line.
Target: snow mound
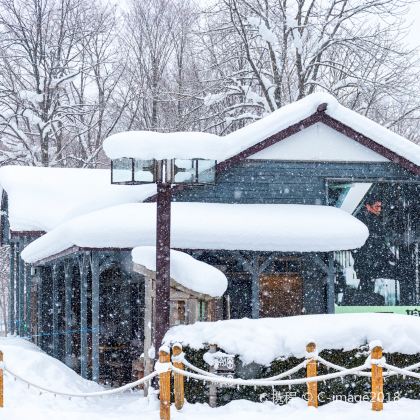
(266, 339)
(28, 361)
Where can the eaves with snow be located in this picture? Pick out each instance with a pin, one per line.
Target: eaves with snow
(211, 226)
(40, 199)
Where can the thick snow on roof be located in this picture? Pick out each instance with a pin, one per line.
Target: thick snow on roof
(153, 145)
(299, 110)
(263, 227)
(186, 270)
(266, 339)
(147, 145)
(42, 198)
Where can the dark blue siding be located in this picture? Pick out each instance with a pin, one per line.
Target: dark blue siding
(279, 182)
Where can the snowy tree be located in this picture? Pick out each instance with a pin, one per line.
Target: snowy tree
(267, 53)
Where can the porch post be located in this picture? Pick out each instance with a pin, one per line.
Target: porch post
(94, 265)
(21, 291)
(55, 310)
(17, 288)
(255, 288)
(12, 290)
(40, 307)
(28, 286)
(68, 268)
(83, 267)
(330, 284)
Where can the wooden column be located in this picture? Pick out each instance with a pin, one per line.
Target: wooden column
(94, 266)
(28, 288)
(21, 280)
(12, 319)
(55, 305)
(377, 380)
(83, 268)
(163, 247)
(330, 284)
(178, 379)
(212, 386)
(165, 386)
(68, 324)
(40, 308)
(311, 371)
(17, 288)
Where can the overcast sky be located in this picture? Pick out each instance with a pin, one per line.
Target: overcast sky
(414, 16)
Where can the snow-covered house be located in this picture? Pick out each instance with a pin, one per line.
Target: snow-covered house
(270, 223)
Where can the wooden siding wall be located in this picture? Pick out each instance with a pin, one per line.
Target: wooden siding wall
(279, 182)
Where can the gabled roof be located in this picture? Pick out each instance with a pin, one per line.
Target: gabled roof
(314, 108)
(281, 124)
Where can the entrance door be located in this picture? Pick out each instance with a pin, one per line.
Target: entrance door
(281, 295)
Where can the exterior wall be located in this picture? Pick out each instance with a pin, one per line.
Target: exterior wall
(278, 182)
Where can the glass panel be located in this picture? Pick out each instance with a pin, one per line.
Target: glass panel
(122, 171)
(184, 171)
(206, 170)
(144, 171)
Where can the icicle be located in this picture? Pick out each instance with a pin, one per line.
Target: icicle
(255, 387)
(188, 379)
(290, 387)
(342, 379)
(237, 388)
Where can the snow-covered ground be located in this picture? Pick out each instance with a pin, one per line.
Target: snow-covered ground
(28, 361)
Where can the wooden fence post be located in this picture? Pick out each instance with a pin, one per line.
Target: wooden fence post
(178, 378)
(377, 380)
(165, 385)
(311, 370)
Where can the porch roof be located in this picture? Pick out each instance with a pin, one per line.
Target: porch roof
(39, 199)
(254, 227)
(190, 273)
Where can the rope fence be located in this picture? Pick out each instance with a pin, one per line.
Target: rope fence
(177, 367)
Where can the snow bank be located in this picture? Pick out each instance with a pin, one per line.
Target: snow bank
(153, 145)
(28, 361)
(42, 198)
(255, 227)
(186, 270)
(266, 339)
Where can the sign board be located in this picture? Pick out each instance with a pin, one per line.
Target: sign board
(403, 310)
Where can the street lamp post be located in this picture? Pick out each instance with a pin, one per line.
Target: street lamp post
(165, 173)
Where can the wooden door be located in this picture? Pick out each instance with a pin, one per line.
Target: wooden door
(281, 295)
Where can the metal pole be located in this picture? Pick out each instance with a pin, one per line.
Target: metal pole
(94, 266)
(67, 314)
(163, 243)
(12, 290)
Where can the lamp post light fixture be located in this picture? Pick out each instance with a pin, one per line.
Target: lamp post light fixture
(164, 173)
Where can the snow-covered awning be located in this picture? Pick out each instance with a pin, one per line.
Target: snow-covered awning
(153, 145)
(254, 227)
(39, 199)
(185, 270)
